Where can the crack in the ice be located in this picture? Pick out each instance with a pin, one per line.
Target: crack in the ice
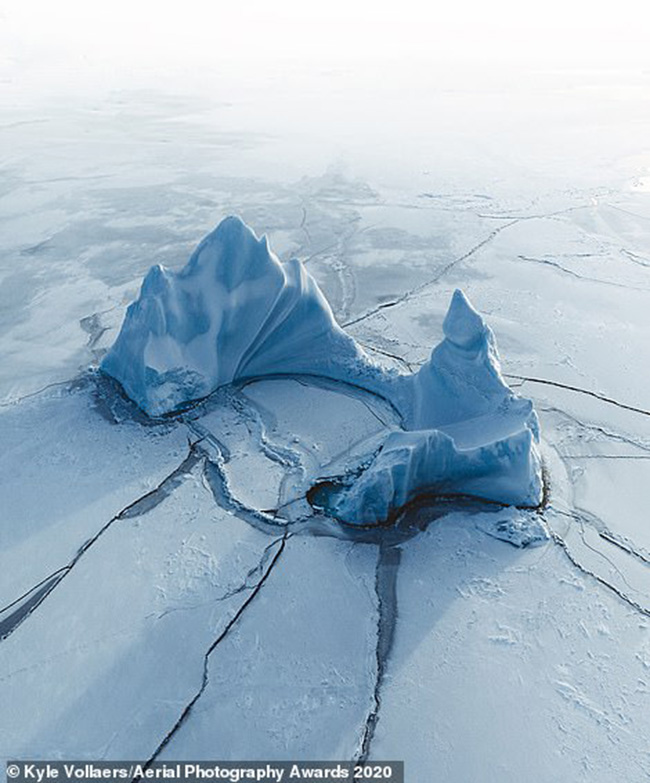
(557, 539)
(386, 591)
(281, 455)
(303, 223)
(400, 359)
(329, 383)
(538, 216)
(636, 258)
(17, 400)
(605, 456)
(320, 252)
(206, 658)
(247, 584)
(374, 413)
(596, 523)
(17, 124)
(598, 552)
(576, 275)
(579, 390)
(214, 473)
(511, 221)
(612, 435)
(607, 536)
(344, 274)
(628, 212)
(92, 325)
(137, 507)
(427, 283)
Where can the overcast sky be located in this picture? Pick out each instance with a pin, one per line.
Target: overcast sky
(145, 31)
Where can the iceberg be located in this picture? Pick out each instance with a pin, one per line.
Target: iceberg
(466, 431)
(236, 312)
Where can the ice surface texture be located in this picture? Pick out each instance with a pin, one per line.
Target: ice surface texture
(235, 312)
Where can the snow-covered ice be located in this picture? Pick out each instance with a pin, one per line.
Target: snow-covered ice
(171, 572)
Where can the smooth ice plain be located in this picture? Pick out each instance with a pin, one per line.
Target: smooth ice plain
(149, 564)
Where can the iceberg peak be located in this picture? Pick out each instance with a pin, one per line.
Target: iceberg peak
(462, 326)
(231, 231)
(232, 251)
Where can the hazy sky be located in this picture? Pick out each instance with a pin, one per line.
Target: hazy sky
(146, 31)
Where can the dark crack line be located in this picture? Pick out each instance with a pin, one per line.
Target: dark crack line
(601, 554)
(216, 480)
(538, 216)
(577, 389)
(54, 574)
(423, 286)
(17, 400)
(635, 258)
(206, 658)
(624, 547)
(597, 428)
(584, 517)
(512, 220)
(374, 413)
(400, 359)
(257, 428)
(340, 241)
(303, 224)
(576, 275)
(255, 571)
(557, 539)
(386, 591)
(17, 124)
(140, 506)
(247, 584)
(628, 212)
(307, 379)
(154, 497)
(320, 252)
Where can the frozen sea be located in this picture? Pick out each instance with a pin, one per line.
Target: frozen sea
(142, 571)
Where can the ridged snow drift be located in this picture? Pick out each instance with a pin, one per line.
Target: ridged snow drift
(235, 311)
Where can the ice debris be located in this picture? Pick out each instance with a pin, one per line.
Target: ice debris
(517, 527)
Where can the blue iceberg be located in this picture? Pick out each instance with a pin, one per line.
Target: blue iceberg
(466, 432)
(236, 312)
